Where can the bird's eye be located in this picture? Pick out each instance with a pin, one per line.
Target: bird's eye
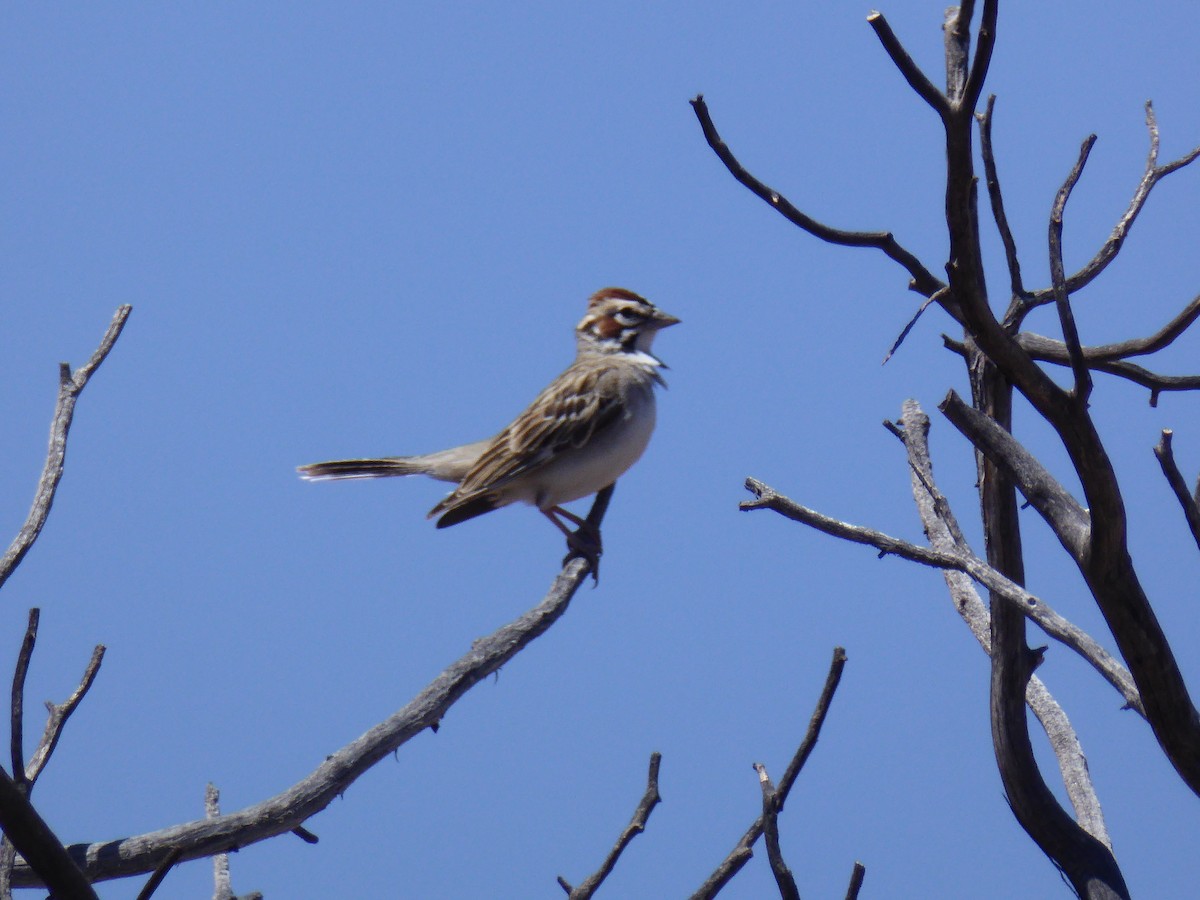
(628, 318)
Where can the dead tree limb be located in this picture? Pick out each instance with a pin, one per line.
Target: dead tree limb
(636, 826)
(741, 854)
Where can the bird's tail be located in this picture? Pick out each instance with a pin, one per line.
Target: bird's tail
(363, 468)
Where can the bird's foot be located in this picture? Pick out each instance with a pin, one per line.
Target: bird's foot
(585, 543)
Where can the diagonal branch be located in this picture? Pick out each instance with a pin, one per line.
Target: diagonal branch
(984, 45)
(741, 854)
(1083, 378)
(58, 715)
(912, 73)
(635, 827)
(1189, 502)
(770, 818)
(71, 384)
(958, 560)
(282, 813)
(922, 280)
(1062, 512)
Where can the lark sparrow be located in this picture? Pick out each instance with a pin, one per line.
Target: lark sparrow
(577, 437)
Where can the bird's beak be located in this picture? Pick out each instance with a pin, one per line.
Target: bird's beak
(663, 320)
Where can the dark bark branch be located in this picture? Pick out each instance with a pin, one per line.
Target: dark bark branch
(1083, 377)
(1052, 351)
(1062, 512)
(742, 853)
(1112, 246)
(961, 560)
(69, 388)
(770, 817)
(635, 827)
(985, 43)
(912, 73)
(283, 812)
(996, 198)
(856, 881)
(156, 879)
(17, 703)
(40, 848)
(1191, 507)
(922, 280)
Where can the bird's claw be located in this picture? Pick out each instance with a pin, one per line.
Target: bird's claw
(584, 543)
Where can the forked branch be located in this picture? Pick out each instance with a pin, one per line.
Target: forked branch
(636, 826)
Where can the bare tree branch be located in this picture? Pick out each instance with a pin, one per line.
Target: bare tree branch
(635, 827)
(17, 703)
(996, 198)
(856, 881)
(984, 45)
(1062, 512)
(943, 532)
(1083, 378)
(40, 848)
(770, 817)
(742, 853)
(69, 388)
(922, 280)
(960, 560)
(283, 812)
(1112, 246)
(1048, 350)
(912, 73)
(58, 715)
(1191, 507)
(156, 879)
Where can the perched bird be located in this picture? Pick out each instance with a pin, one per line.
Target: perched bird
(577, 437)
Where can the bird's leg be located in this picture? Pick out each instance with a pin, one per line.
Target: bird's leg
(584, 542)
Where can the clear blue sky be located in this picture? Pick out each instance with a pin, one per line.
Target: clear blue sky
(369, 229)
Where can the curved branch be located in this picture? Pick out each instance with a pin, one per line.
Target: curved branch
(1083, 378)
(283, 812)
(959, 560)
(1108, 252)
(70, 385)
(996, 198)
(922, 281)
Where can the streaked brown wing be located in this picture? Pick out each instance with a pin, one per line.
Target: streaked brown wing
(565, 414)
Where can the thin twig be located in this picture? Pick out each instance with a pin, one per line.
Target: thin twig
(160, 873)
(996, 198)
(58, 715)
(1083, 377)
(922, 280)
(69, 387)
(636, 826)
(935, 297)
(17, 703)
(742, 853)
(770, 817)
(1166, 459)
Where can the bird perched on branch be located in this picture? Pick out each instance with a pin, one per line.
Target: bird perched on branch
(576, 438)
